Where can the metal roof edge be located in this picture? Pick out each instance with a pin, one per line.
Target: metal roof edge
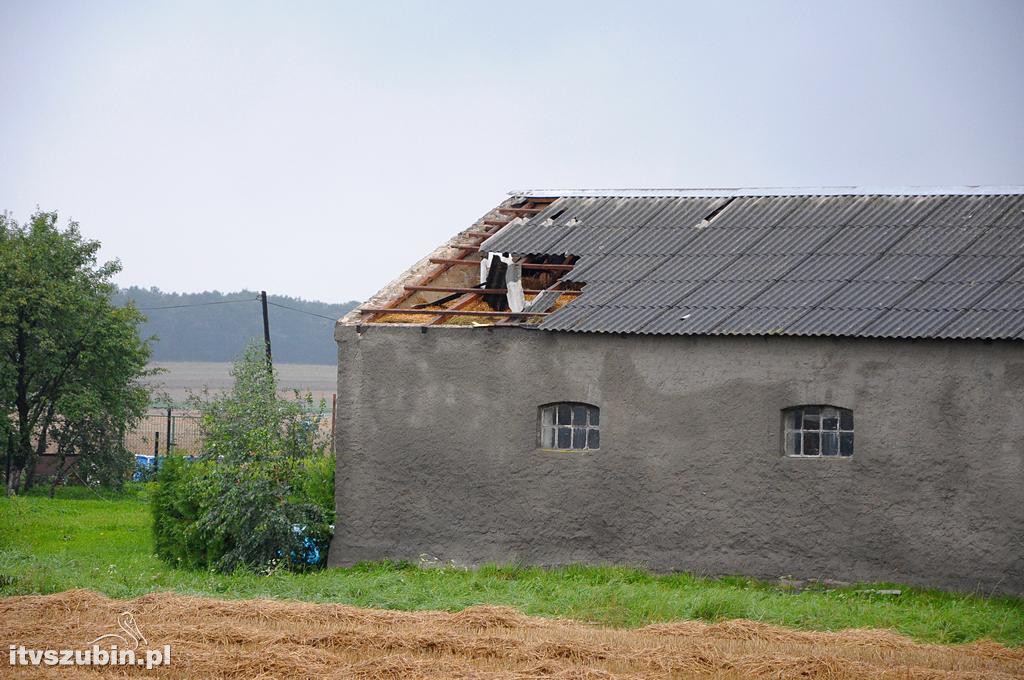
(718, 192)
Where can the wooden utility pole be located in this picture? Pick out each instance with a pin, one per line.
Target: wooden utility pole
(266, 328)
(170, 441)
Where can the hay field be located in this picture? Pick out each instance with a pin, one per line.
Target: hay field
(273, 639)
(182, 377)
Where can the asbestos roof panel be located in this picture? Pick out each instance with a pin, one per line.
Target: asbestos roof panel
(591, 240)
(602, 292)
(824, 211)
(795, 293)
(937, 295)
(1008, 295)
(831, 262)
(937, 240)
(721, 294)
(614, 268)
(829, 321)
(986, 323)
(909, 323)
(688, 320)
(1013, 216)
(764, 268)
(896, 211)
(716, 240)
(867, 294)
(828, 267)
(971, 211)
(648, 293)
(567, 211)
(903, 267)
(684, 213)
(526, 238)
(731, 192)
(631, 212)
(657, 241)
(999, 241)
(689, 267)
(606, 212)
(795, 240)
(863, 240)
(969, 268)
(566, 318)
(761, 212)
(760, 320)
(615, 319)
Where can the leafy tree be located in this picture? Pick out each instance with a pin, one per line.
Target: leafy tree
(71, 361)
(258, 490)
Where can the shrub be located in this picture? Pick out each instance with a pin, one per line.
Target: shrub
(256, 497)
(179, 501)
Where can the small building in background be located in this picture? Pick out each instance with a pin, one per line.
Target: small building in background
(802, 383)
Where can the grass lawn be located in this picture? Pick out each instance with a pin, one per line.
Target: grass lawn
(79, 540)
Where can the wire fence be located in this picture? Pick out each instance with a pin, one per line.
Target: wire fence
(176, 429)
(166, 430)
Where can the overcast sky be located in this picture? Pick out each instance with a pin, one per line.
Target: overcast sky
(317, 149)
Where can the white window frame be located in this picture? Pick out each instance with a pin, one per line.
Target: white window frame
(550, 425)
(799, 432)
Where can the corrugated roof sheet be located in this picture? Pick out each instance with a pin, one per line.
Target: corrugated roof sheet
(928, 264)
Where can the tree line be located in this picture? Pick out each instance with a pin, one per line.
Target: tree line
(215, 326)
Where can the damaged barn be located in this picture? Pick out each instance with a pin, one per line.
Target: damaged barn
(818, 383)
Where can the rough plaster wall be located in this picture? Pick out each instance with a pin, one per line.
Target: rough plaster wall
(437, 455)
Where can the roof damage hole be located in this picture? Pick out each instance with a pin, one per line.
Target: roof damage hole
(714, 213)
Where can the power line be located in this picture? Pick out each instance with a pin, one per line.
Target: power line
(197, 304)
(302, 311)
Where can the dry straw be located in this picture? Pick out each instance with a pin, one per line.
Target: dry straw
(273, 639)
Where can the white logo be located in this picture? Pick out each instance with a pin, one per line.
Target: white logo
(114, 654)
(126, 622)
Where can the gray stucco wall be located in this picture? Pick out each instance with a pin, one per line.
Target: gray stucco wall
(437, 454)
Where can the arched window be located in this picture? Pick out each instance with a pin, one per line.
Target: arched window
(570, 425)
(818, 431)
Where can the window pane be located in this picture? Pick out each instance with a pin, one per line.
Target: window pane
(579, 437)
(547, 437)
(595, 415)
(547, 415)
(565, 437)
(830, 443)
(593, 439)
(794, 418)
(812, 443)
(846, 444)
(845, 419)
(829, 419)
(564, 414)
(579, 415)
(811, 417)
(793, 443)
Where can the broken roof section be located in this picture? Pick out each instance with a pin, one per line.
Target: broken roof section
(936, 263)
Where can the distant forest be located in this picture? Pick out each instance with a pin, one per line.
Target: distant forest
(215, 326)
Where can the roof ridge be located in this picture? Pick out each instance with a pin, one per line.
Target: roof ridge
(715, 192)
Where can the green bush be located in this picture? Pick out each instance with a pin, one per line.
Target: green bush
(315, 484)
(181, 497)
(257, 497)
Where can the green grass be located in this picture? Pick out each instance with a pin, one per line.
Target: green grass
(79, 540)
